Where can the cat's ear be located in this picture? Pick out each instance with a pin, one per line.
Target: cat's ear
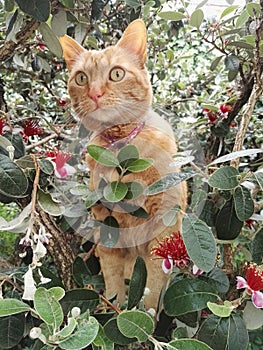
(71, 50)
(134, 39)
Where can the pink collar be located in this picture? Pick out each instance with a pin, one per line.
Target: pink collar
(116, 143)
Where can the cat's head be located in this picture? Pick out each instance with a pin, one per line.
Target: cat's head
(110, 86)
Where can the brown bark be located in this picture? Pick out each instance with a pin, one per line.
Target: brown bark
(11, 47)
(59, 249)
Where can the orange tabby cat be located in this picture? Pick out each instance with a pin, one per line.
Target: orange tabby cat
(111, 93)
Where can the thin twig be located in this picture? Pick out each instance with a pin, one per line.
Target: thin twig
(107, 302)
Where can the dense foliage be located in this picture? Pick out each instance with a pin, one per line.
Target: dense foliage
(206, 75)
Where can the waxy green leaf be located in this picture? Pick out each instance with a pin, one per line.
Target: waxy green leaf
(135, 324)
(244, 205)
(115, 191)
(13, 181)
(224, 178)
(12, 306)
(103, 156)
(137, 283)
(188, 295)
(199, 241)
(46, 303)
(196, 18)
(224, 333)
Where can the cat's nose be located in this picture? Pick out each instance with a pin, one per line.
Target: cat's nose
(95, 94)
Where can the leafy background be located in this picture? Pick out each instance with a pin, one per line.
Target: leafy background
(196, 66)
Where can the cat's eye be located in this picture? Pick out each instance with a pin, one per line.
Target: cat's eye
(117, 74)
(81, 78)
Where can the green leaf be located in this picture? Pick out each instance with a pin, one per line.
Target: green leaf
(227, 225)
(85, 334)
(115, 191)
(109, 232)
(59, 23)
(12, 330)
(201, 4)
(257, 247)
(47, 306)
(244, 204)
(208, 212)
(199, 242)
(172, 15)
(39, 9)
(113, 333)
(188, 295)
(215, 63)
(235, 155)
(126, 154)
(66, 331)
(232, 74)
(228, 10)
(80, 190)
(97, 7)
(196, 18)
(241, 45)
(167, 182)
(133, 3)
(85, 299)
(224, 333)
(5, 143)
(224, 178)
(18, 144)
(9, 5)
(19, 224)
(232, 63)
(170, 218)
(47, 203)
(219, 278)
(224, 310)
(46, 166)
(242, 19)
(13, 181)
(135, 190)
(252, 316)
(187, 344)
(103, 341)
(103, 156)
(137, 283)
(135, 324)
(12, 306)
(259, 179)
(134, 210)
(253, 9)
(93, 197)
(51, 40)
(25, 162)
(81, 272)
(139, 165)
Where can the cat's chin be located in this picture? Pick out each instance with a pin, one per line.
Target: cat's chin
(103, 118)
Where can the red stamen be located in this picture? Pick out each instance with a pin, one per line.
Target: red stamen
(173, 247)
(254, 276)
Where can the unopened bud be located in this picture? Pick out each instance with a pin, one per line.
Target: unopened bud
(75, 312)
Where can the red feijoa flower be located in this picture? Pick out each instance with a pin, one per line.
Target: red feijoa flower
(212, 117)
(2, 124)
(249, 223)
(61, 103)
(172, 248)
(31, 128)
(225, 108)
(254, 277)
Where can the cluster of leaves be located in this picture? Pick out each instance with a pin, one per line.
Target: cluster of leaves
(223, 198)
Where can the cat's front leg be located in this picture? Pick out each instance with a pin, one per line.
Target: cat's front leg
(112, 261)
(156, 279)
